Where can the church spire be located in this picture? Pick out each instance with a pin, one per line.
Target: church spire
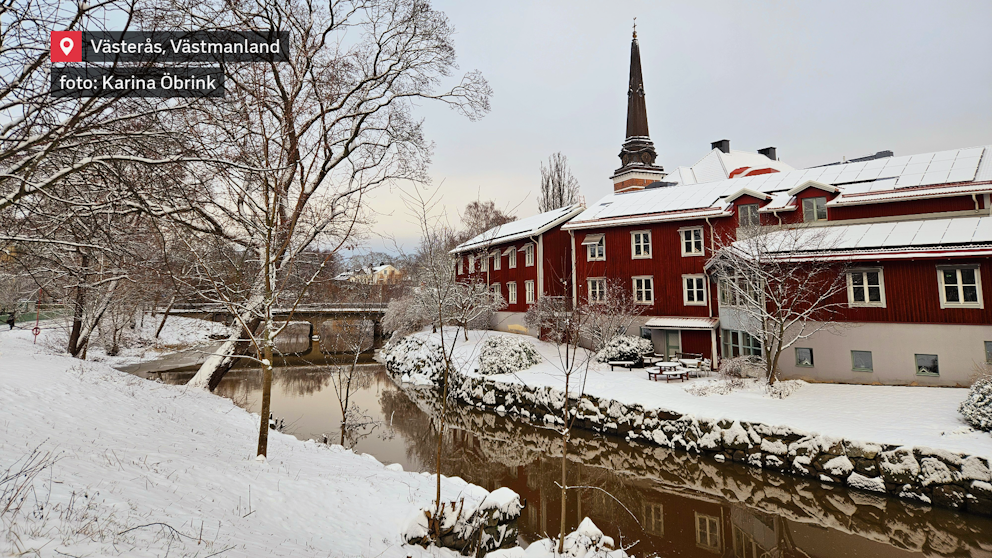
(637, 155)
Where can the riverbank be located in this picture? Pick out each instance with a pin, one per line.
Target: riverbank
(118, 465)
(907, 442)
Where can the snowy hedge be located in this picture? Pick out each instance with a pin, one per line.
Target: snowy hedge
(977, 406)
(625, 347)
(415, 355)
(504, 354)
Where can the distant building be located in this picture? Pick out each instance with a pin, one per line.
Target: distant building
(382, 274)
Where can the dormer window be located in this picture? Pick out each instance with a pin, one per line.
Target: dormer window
(747, 215)
(814, 209)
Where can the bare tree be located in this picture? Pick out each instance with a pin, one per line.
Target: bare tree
(479, 217)
(558, 187)
(776, 286)
(614, 313)
(355, 337)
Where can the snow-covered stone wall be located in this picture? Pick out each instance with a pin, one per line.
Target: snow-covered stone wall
(934, 477)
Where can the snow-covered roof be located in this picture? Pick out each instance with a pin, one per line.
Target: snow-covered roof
(678, 322)
(964, 171)
(953, 236)
(521, 228)
(717, 165)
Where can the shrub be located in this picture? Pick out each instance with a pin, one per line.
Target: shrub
(504, 354)
(625, 347)
(977, 406)
(415, 355)
(745, 366)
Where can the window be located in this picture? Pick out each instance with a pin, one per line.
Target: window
(645, 333)
(736, 291)
(988, 352)
(707, 531)
(595, 247)
(653, 519)
(692, 241)
(747, 215)
(814, 209)
(640, 244)
(804, 357)
(737, 343)
(497, 260)
(960, 287)
(744, 545)
(484, 262)
(471, 264)
(926, 365)
(597, 290)
(513, 258)
(511, 293)
(866, 287)
(694, 290)
(461, 265)
(644, 290)
(529, 291)
(861, 361)
(529, 255)
(496, 289)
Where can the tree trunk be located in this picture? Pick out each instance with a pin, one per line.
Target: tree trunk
(165, 315)
(74, 347)
(263, 430)
(564, 486)
(238, 342)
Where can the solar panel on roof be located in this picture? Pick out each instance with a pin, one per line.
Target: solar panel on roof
(959, 231)
(945, 155)
(924, 158)
(930, 232)
(875, 234)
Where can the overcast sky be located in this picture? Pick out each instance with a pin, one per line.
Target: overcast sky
(818, 80)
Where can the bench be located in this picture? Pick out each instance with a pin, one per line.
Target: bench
(622, 363)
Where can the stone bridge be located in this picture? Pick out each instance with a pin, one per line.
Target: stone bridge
(313, 329)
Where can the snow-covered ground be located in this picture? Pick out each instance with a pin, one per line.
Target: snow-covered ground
(141, 344)
(913, 416)
(146, 469)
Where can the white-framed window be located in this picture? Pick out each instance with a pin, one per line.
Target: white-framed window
(737, 343)
(497, 259)
(644, 289)
(471, 264)
(744, 545)
(640, 245)
(513, 258)
(866, 287)
(484, 262)
(988, 352)
(653, 518)
(926, 365)
(960, 287)
(692, 241)
(529, 292)
(496, 290)
(694, 290)
(461, 265)
(747, 215)
(736, 291)
(861, 361)
(708, 531)
(597, 289)
(529, 255)
(595, 247)
(511, 293)
(814, 209)
(804, 357)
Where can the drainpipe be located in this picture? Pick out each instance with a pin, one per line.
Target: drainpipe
(539, 262)
(575, 284)
(709, 297)
(974, 198)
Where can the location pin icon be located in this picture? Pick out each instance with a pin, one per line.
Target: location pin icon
(66, 45)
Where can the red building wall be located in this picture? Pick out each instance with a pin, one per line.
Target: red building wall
(913, 207)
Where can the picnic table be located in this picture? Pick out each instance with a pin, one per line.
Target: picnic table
(668, 370)
(623, 363)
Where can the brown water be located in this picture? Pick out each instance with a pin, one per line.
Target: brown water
(663, 502)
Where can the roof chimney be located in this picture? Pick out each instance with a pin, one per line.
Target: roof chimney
(769, 152)
(722, 145)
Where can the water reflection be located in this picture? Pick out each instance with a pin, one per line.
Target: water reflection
(668, 503)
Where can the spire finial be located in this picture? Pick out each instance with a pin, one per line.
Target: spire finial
(635, 27)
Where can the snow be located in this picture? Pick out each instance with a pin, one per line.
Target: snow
(147, 469)
(878, 414)
(587, 541)
(505, 501)
(141, 344)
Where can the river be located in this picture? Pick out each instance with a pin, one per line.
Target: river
(662, 502)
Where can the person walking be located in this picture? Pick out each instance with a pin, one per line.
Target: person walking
(10, 320)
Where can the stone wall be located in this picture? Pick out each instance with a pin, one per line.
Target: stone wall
(929, 476)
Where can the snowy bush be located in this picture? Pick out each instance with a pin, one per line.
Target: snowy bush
(625, 347)
(977, 406)
(415, 355)
(745, 366)
(783, 388)
(404, 316)
(504, 354)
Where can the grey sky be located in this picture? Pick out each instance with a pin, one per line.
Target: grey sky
(818, 80)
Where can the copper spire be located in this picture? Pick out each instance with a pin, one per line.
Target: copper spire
(637, 112)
